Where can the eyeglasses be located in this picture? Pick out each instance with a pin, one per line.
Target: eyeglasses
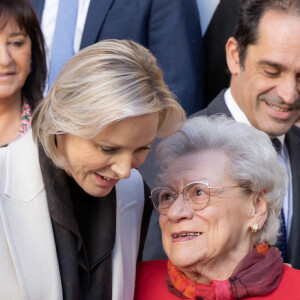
(196, 195)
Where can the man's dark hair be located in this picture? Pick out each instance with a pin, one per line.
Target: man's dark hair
(22, 12)
(250, 14)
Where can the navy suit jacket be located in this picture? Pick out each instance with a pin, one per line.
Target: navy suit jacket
(169, 28)
(292, 140)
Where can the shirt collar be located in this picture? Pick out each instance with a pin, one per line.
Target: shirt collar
(238, 114)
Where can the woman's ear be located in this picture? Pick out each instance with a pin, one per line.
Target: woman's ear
(232, 56)
(259, 210)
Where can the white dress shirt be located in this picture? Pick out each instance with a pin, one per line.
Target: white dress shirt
(283, 157)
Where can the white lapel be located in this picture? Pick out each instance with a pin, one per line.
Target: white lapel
(26, 221)
(130, 206)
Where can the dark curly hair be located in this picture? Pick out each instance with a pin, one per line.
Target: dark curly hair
(22, 12)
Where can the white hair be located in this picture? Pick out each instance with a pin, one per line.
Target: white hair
(254, 162)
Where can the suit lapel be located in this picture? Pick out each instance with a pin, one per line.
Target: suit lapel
(23, 163)
(94, 20)
(130, 205)
(26, 222)
(218, 106)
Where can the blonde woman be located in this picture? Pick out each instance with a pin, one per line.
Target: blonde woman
(72, 207)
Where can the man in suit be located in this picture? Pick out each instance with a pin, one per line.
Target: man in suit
(264, 60)
(170, 29)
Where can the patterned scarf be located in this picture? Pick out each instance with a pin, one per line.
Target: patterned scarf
(245, 281)
(25, 121)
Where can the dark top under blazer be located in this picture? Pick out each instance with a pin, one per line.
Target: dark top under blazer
(292, 140)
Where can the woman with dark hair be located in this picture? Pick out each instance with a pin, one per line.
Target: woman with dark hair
(22, 68)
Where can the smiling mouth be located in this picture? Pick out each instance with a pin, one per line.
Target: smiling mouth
(176, 236)
(6, 74)
(277, 108)
(105, 178)
(104, 181)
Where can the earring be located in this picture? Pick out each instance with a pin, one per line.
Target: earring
(255, 228)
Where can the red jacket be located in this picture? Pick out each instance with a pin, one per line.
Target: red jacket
(151, 283)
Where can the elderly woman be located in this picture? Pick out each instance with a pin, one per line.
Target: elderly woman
(22, 68)
(219, 204)
(71, 209)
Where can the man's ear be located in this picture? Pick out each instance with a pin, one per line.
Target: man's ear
(232, 56)
(259, 210)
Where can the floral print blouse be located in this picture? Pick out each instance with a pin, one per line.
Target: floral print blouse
(25, 121)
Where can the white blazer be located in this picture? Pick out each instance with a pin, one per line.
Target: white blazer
(28, 261)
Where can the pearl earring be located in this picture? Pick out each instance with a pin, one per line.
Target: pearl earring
(255, 228)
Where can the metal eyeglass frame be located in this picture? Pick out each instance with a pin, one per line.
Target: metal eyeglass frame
(186, 197)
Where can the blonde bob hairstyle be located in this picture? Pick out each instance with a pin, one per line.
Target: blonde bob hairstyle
(103, 84)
